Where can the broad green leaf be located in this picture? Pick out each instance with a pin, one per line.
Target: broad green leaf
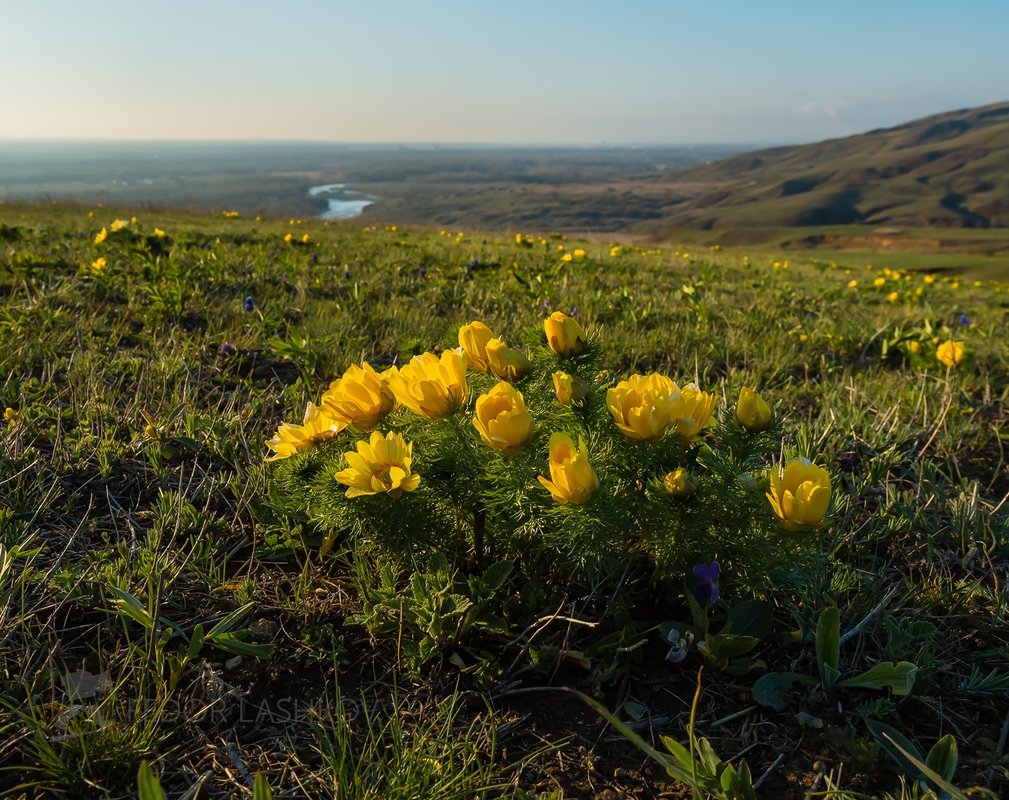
(148, 785)
(723, 646)
(828, 647)
(897, 677)
(752, 618)
(943, 757)
(772, 690)
(260, 788)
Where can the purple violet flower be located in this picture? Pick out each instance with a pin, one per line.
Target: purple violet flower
(248, 303)
(706, 587)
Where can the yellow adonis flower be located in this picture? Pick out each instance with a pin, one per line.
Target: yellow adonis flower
(379, 465)
(431, 386)
(98, 265)
(689, 411)
(306, 239)
(10, 415)
(950, 353)
(506, 363)
(641, 405)
(502, 419)
(679, 483)
(572, 479)
(290, 236)
(569, 389)
(159, 234)
(801, 495)
(316, 428)
(360, 398)
(564, 335)
(752, 412)
(118, 225)
(473, 340)
(101, 236)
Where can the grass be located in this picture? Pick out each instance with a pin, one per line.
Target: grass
(156, 603)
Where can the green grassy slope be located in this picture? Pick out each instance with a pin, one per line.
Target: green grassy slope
(142, 387)
(951, 169)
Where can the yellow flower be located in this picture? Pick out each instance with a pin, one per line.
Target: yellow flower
(641, 405)
(852, 283)
(289, 237)
(893, 297)
(502, 419)
(118, 225)
(801, 495)
(752, 412)
(10, 414)
(679, 483)
(914, 347)
(690, 411)
(381, 465)
(431, 386)
(360, 398)
(929, 279)
(101, 236)
(98, 265)
(564, 335)
(879, 282)
(569, 389)
(316, 428)
(567, 257)
(579, 253)
(506, 363)
(572, 479)
(159, 234)
(306, 239)
(950, 353)
(473, 340)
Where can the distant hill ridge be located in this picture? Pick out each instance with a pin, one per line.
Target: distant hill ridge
(948, 170)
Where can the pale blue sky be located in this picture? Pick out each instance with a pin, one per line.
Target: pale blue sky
(509, 71)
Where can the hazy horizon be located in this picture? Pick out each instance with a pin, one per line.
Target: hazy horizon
(649, 72)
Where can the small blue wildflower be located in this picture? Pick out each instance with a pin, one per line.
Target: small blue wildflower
(315, 258)
(249, 305)
(678, 645)
(545, 305)
(422, 272)
(473, 264)
(346, 273)
(227, 348)
(964, 320)
(706, 587)
(573, 312)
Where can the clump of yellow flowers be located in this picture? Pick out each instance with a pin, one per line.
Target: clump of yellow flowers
(544, 452)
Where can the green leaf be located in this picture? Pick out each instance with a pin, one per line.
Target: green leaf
(128, 605)
(772, 690)
(148, 785)
(943, 757)
(887, 736)
(928, 772)
(752, 618)
(723, 646)
(897, 677)
(828, 647)
(678, 751)
(229, 621)
(231, 643)
(495, 576)
(260, 788)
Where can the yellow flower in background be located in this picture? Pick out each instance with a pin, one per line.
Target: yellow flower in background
(690, 411)
(10, 414)
(360, 398)
(752, 412)
(473, 340)
(98, 265)
(852, 283)
(679, 483)
(572, 479)
(431, 386)
(159, 234)
(950, 353)
(567, 257)
(929, 279)
(306, 239)
(505, 362)
(316, 428)
(380, 465)
(101, 236)
(914, 347)
(118, 225)
(502, 419)
(579, 253)
(800, 496)
(641, 406)
(879, 282)
(893, 297)
(569, 389)
(289, 238)
(564, 335)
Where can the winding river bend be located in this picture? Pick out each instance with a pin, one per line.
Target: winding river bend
(343, 203)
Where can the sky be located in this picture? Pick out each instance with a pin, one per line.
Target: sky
(511, 71)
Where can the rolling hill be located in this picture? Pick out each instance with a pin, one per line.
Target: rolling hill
(947, 170)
